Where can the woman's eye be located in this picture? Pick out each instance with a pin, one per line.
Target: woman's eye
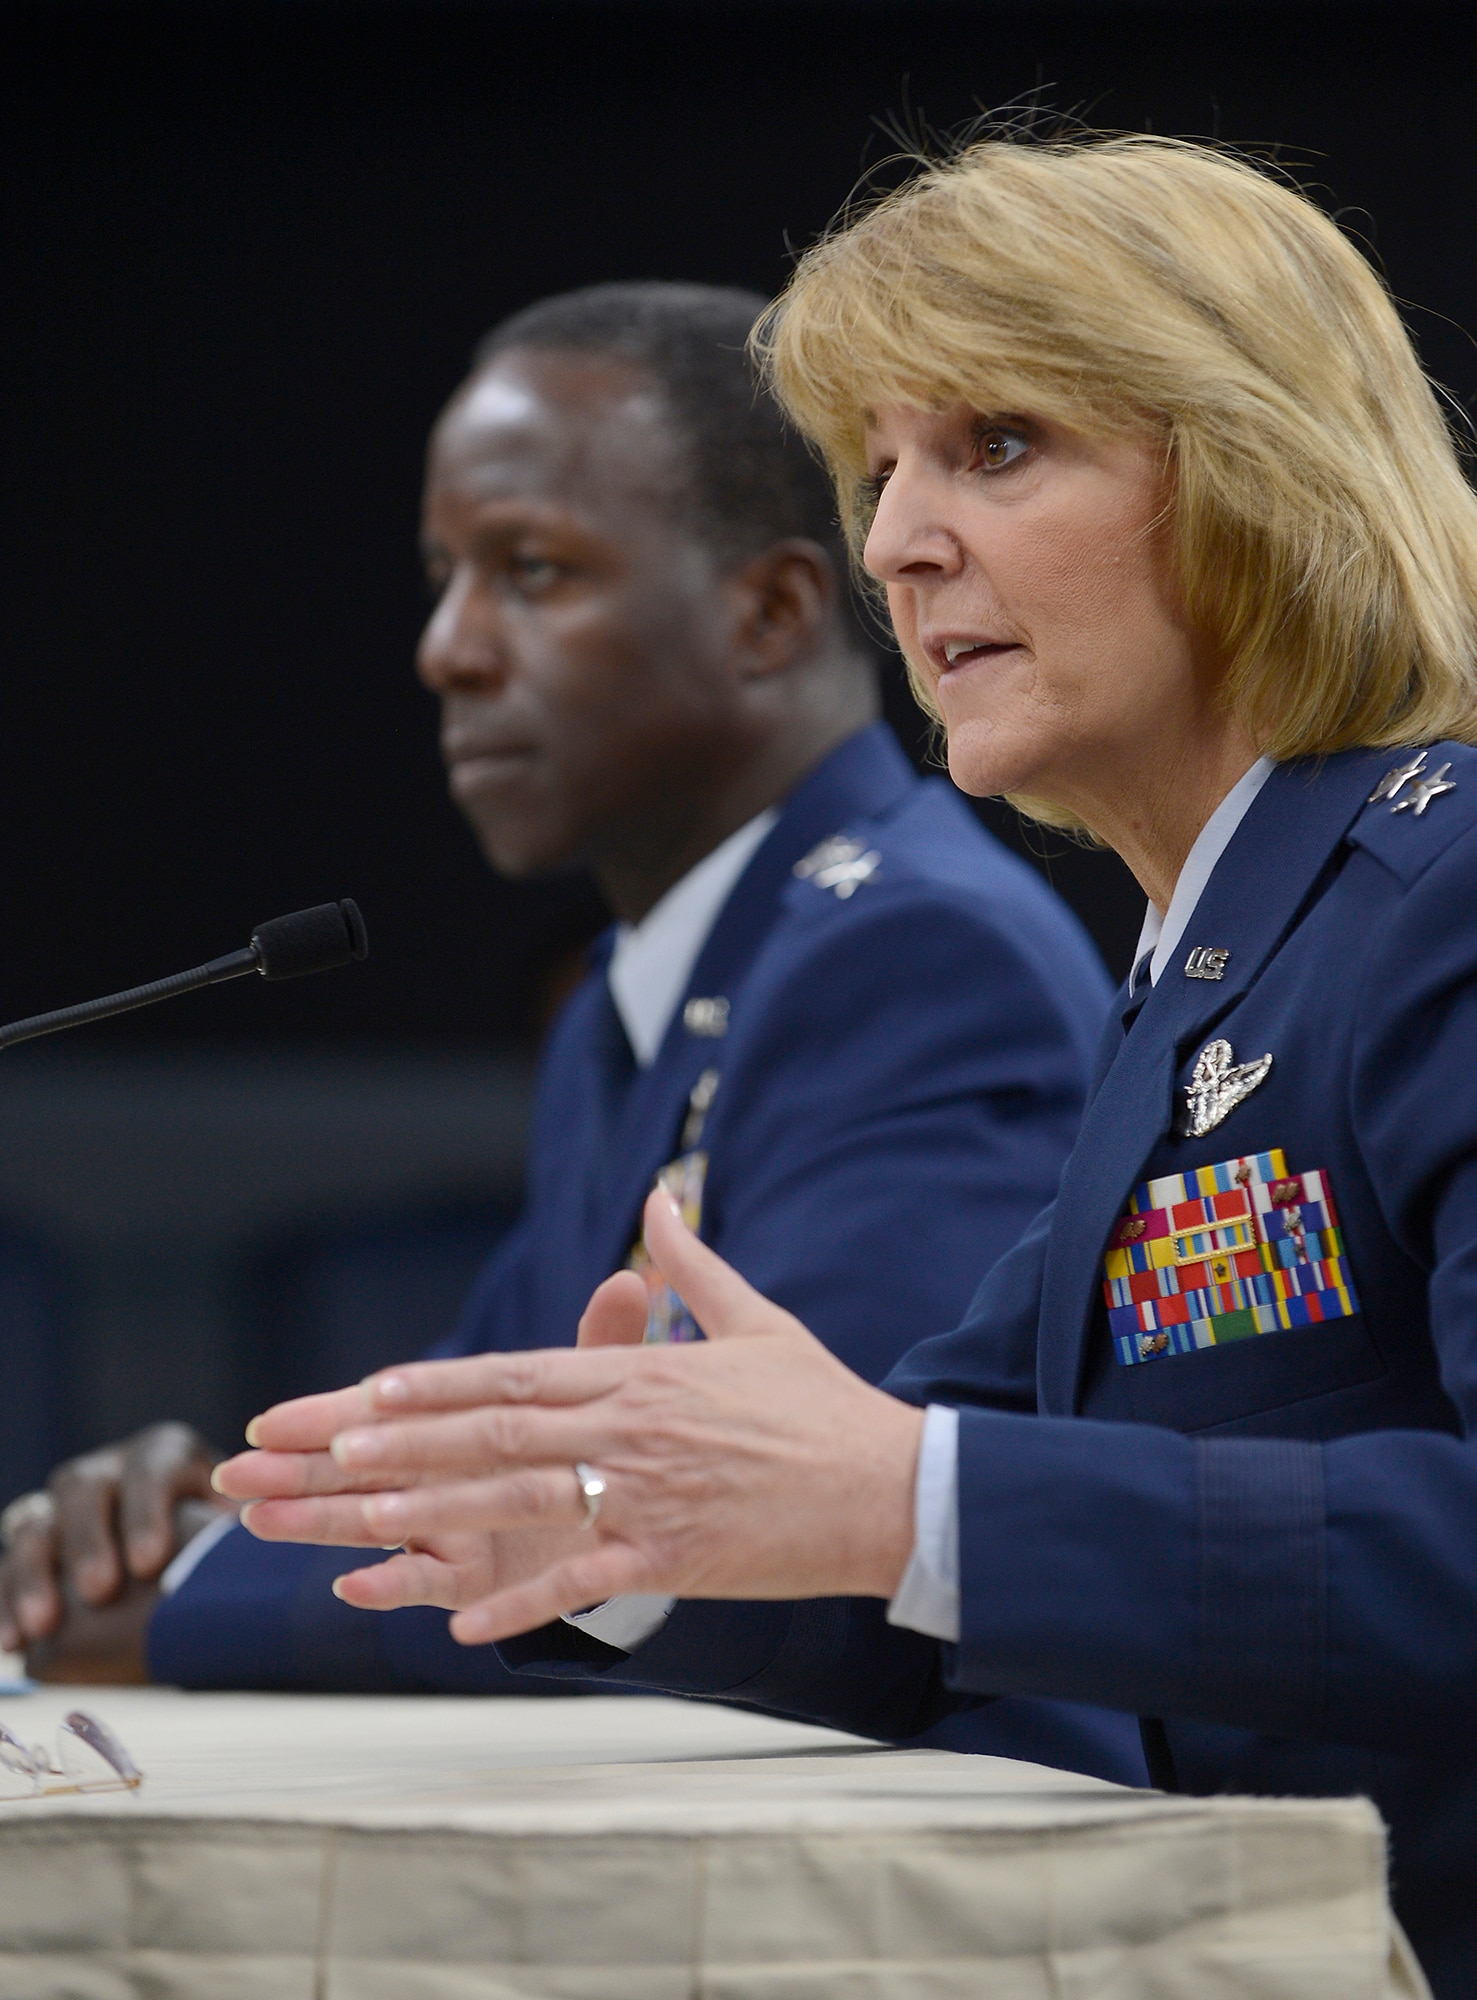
(996, 447)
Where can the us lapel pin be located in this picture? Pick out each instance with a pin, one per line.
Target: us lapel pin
(1217, 1085)
(706, 1017)
(1207, 961)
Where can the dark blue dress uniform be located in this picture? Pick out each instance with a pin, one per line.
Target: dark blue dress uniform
(1246, 1506)
(904, 1054)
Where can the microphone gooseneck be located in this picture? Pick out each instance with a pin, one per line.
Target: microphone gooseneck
(313, 940)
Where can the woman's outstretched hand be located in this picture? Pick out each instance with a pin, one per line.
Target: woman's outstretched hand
(752, 1464)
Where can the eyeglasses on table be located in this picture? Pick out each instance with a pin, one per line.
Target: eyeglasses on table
(88, 1758)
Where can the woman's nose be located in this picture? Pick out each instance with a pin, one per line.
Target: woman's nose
(908, 540)
(460, 646)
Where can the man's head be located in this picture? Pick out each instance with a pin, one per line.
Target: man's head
(641, 637)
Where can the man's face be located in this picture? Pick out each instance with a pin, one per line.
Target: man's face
(581, 643)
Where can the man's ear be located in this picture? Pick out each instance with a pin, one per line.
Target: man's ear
(786, 595)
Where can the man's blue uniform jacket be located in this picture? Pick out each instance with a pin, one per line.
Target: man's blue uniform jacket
(1267, 1546)
(903, 1072)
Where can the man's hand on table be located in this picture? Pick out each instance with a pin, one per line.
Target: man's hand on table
(80, 1576)
(752, 1464)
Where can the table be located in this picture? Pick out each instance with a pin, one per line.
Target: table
(605, 1848)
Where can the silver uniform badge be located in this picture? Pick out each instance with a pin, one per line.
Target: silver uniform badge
(1423, 790)
(839, 863)
(1424, 785)
(1394, 780)
(1217, 1085)
(706, 1016)
(1207, 961)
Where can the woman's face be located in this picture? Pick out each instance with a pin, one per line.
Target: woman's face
(1029, 583)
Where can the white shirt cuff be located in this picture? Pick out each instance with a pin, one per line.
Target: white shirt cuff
(194, 1553)
(927, 1599)
(623, 1622)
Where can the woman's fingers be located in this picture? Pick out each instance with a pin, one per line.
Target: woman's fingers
(308, 1422)
(411, 1578)
(336, 1523)
(551, 1375)
(274, 1475)
(616, 1314)
(724, 1305)
(476, 1443)
(457, 1570)
(609, 1569)
(543, 1497)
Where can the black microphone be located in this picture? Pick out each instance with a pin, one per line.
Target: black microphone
(308, 941)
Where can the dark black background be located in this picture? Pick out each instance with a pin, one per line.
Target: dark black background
(246, 252)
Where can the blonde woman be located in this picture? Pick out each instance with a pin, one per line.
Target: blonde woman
(1178, 549)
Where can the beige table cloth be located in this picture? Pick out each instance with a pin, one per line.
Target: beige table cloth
(360, 1848)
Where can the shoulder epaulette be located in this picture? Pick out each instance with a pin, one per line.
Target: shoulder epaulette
(1424, 801)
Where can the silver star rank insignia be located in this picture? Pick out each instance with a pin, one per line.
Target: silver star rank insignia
(840, 864)
(1423, 790)
(1394, 781)
(1424, 785)
(1217, 1085)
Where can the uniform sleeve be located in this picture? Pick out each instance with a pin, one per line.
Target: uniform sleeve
(904, 1114)
(263, 1615)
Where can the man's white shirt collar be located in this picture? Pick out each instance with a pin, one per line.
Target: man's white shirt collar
(1162, 932)
(653, 960)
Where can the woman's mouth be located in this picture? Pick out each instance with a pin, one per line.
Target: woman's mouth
(951, 654)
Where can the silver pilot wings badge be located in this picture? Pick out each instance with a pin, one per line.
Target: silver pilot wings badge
(1218, 1083)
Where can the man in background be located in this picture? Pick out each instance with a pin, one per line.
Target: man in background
(835, 1013)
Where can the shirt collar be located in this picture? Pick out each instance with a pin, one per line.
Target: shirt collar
(653, 960)
(1162, 931)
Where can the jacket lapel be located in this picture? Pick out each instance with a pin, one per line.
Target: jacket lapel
(1253, 898)
(859, 781)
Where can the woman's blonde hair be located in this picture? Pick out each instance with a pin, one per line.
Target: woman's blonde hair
(1325, 535)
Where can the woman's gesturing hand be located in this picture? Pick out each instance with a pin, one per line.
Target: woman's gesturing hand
(750, 1465)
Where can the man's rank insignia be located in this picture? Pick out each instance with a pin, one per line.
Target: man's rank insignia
(839, 863)
(1217, 1085)
(1224, 1253)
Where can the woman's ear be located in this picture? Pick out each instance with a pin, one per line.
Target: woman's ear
(787, 596)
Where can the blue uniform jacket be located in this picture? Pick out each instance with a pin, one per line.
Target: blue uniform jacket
(907, 1051)
(1266, 1545)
